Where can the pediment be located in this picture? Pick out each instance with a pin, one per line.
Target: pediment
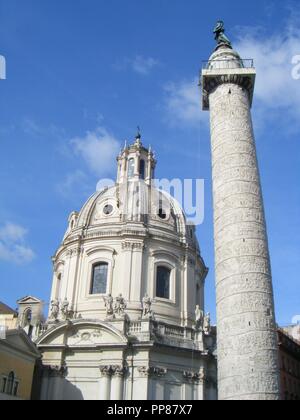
(29, 300)
(161, 253)
(82, 334)
(105, 249)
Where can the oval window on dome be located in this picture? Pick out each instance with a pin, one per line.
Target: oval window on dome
(108, 209)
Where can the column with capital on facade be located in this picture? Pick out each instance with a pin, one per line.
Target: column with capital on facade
(194, 385)
(53, 383)
(141, 383)
(117, 383)
(200, 381)
(105, 383)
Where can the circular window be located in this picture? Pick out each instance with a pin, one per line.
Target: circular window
(108, 209)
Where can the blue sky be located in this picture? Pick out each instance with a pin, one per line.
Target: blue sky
(81, 75)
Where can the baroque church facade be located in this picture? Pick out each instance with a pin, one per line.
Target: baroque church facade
(126, 318)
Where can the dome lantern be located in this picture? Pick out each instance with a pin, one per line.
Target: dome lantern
(136, 162)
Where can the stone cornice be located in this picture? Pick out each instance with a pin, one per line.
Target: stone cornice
(75, 242)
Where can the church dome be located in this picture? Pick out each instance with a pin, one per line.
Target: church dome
(130, 241)
(134, 200)
(105, 207)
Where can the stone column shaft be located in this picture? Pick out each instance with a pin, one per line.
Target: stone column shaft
(247, 344)
(105, 387)
(247, 338)
(117, 386)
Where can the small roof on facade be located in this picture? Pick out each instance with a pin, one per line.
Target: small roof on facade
(6, 310)
(19, 341)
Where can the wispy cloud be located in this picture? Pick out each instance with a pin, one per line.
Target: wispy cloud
(35, 129)
(139, 64)
(183, 103)
(74, 184)
(31, 127)
(143, 65)
(98, 149)
(12, 244)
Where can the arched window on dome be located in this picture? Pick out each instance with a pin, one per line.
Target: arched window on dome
(142, 169)
(131, 168)
(99, 279)
(163, 282)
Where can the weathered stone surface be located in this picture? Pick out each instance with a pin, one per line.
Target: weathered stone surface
(247, 344)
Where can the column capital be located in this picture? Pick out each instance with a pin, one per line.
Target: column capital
(152, 371)
(58, 371)
(105, 370)
(113, 370)
(119, 371)
(198, 377)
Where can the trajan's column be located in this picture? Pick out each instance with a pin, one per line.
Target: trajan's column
(247, 343)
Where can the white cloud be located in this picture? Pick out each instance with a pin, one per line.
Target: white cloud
(183, 103)
(12, 244)
(99, 150)
(277, 92)
(275, 87)
(12, 233)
